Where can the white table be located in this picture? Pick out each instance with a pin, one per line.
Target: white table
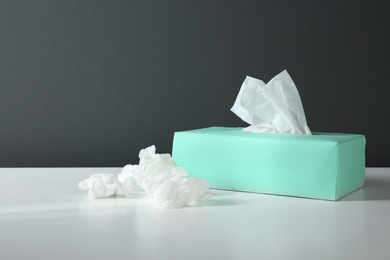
(44, 215)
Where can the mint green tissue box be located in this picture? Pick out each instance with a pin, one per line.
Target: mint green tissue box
(320, 166)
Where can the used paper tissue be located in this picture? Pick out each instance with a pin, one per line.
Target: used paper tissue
(101, 185)
(160, 177)
(278, 155)
(274, 107)
(157, 175)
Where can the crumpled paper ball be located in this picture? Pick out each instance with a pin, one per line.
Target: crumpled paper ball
(128, 181)
(101, 185)
(164, 181)
(157, 175)
(180, 191)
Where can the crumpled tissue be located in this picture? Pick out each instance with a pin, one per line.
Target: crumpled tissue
(160, 178)
(274, 107)
(101, 185)
(164, 181)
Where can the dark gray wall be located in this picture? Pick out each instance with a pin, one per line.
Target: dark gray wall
(90, 83)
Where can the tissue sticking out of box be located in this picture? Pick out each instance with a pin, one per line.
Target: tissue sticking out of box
(157, 175)
(274, 107)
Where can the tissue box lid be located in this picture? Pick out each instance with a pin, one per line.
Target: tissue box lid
(321, 166)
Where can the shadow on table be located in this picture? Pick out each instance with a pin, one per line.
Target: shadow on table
(213, 202)
(373, 189)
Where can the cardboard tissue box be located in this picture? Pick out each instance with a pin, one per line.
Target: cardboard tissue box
(277, 153)
(319, 166)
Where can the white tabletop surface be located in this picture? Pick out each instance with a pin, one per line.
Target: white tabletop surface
(44, 215)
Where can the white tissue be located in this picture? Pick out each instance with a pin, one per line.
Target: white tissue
(128, 181)
(157, 175)
(180, 191)
(162, 180)
(101, 185)
(274, 107)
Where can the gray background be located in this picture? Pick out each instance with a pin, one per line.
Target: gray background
(90, 83)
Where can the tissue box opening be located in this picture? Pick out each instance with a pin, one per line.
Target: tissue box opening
(321, 166)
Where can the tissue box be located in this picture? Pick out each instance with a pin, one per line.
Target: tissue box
(320, 166)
